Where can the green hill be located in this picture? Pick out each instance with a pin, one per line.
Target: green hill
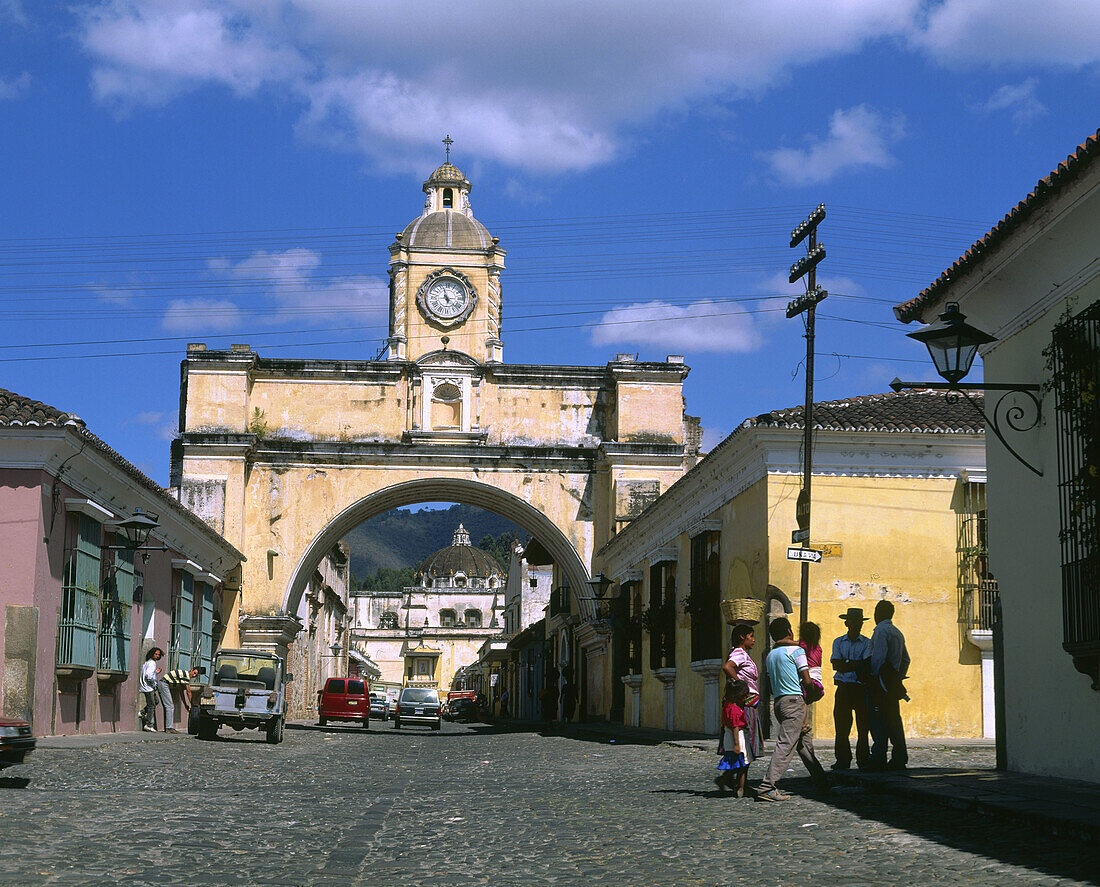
(402, 538)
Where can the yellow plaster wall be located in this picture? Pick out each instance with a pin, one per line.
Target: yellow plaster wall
(216, 401)
(649, 412)
(519, 414)
(898, 543)
(337, 411)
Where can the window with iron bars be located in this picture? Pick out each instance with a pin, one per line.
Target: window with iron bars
(183, 615)
(1075, 377)
(78, 620)
(976, 585)
(662, 608)
(116, 604)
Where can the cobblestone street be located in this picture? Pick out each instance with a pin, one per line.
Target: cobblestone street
(474, 805)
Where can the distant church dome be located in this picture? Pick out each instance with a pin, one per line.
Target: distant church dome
(460, 557)
(447, 222)
(448, 174)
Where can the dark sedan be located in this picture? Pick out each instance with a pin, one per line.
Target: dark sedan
(464, 711)
(418, 705)
(16, 742)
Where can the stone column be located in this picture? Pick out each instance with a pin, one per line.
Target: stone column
(667, 676)
(634, 682)
(273, 634)
(710, 670)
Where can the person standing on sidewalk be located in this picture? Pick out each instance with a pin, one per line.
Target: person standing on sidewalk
(850, 660)
(788, 677)
(147, 683)
(889, 666)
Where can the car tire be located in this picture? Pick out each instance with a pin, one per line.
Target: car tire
(397, 723)
(193, 721)
(207, 729)
(275, 731)
(322, 721)
(437, 725)
(366, 723)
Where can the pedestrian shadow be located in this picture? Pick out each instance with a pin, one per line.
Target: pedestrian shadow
(966, 830)
(14, 782)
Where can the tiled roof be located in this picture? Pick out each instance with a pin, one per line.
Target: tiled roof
(1069, 170)
(16, 410)
(915, 410)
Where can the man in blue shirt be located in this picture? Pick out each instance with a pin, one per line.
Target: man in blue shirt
(788, 677)
(851, 661)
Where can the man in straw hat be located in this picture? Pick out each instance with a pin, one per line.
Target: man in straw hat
(851, 660)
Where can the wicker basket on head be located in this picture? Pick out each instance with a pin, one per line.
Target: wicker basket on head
(743, 609)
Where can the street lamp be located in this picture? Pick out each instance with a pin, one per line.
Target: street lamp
(137, 528)
(599, 585)
(953, 344)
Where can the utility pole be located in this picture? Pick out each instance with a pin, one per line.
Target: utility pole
(807, 266)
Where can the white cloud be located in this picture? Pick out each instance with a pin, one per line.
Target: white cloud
(858, 137)
(1020, 100)
(700, 326)
(164, 425)
(12, 11)
(547, 85)
(206, 315)
(293, 288)
(15, 88)
(971, 33)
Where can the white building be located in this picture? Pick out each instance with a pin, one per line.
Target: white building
(1033, 282)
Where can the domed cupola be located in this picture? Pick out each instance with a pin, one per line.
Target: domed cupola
(447, 221)
(460, 559)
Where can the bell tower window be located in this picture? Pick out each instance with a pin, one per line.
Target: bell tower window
(448, 198)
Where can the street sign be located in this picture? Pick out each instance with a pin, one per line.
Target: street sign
(798, 536)
(812, 555)
(802, 510)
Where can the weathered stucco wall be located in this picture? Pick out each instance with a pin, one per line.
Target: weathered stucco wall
(897, 539)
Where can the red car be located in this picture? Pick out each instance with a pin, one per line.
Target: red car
(344, 699)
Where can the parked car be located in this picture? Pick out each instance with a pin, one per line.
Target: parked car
(418, 705)
(344, 699)
(464, 711)
(248, 690)
(16, 742)
(379, 706)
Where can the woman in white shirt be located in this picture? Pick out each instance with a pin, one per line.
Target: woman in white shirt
(147, 684)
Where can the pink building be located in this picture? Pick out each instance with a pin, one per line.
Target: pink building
(79, 608)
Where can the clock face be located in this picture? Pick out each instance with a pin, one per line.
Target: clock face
(447, 298)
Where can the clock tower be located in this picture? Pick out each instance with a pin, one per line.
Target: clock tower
(445, 277)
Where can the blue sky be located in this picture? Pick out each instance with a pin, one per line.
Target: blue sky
(233, 171)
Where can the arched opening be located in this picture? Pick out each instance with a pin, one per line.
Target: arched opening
(448, 198)
(468, 492)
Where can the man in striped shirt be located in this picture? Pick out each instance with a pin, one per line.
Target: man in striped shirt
(181, 679)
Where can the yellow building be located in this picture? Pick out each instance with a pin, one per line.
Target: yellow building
(898, 482)
(285, 457)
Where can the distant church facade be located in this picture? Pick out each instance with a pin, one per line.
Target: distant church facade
(422, 634)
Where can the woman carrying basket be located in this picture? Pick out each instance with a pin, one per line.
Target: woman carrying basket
(739, 666)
